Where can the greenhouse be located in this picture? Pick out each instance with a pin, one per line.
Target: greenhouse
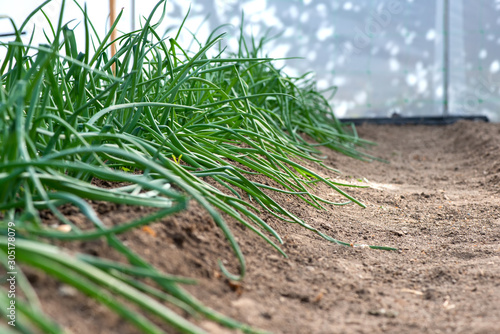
(254, 166)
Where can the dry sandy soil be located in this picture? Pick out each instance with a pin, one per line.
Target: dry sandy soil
(438, 202)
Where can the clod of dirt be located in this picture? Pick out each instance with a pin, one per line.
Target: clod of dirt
(382, 312)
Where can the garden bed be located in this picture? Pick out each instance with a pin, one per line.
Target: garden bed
(438, 202)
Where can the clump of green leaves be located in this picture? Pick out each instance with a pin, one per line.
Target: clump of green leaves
(69, 116)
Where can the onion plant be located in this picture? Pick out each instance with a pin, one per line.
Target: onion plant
(161, 119)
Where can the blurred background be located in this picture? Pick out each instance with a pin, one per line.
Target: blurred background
(386, 57)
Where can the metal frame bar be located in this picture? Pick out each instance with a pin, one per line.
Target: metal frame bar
(437, 120)
(446, 58)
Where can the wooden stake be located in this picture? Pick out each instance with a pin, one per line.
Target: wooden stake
(112, 17)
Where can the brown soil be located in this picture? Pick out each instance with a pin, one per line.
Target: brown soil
(437, 201)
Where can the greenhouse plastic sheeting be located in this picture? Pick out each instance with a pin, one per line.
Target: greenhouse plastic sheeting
(385, 56)
(475, 58)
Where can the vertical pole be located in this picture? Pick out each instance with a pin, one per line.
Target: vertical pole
(446, 60)
(133, 14)
(112, 16)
